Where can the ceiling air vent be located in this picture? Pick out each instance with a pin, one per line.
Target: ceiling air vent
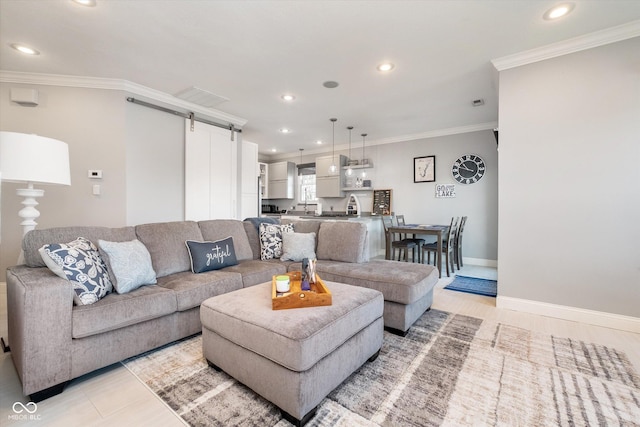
(201, 97)
(477, 102)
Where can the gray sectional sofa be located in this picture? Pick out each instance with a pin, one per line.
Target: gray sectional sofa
(53, 341)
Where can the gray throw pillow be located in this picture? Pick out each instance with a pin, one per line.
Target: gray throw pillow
(297, 246)
(129, 264)
(80, 263)
(207, 256)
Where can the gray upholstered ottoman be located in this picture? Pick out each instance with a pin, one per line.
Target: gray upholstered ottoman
(294, 357)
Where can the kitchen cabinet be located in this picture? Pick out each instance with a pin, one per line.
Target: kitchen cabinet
(249, 171)
(330, 184)
(264, 180)
(281, 180)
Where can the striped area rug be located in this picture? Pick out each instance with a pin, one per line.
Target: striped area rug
(474, 285)
(450, 370)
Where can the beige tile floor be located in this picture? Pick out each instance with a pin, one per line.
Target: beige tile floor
(113, 396)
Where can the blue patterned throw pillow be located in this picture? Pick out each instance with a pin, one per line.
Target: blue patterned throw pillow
(80, 263)
(207, 256)
(129, 264)
(271, 239)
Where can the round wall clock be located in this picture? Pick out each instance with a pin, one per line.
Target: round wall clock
(468, 169)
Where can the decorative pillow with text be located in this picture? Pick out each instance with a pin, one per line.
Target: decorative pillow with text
(207, 256)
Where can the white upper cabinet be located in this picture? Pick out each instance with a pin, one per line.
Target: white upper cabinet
(281, 180)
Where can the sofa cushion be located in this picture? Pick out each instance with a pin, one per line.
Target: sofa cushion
(165, 242)
(120, 310)
(217, 229)
(207, 256)
(303, 226)
(191, 289)
(400, 282)
(129, 264)
(297, 246)
(343, 241)
(81, 264)
(255, 271)
(271, 239)
(35, 239)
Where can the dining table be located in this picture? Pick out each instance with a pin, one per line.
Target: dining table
(419, 229)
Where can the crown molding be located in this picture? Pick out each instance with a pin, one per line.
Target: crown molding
(576, 44)
(392, 140)
(118, 84)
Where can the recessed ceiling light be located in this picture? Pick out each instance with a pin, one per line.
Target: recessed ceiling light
(24, 49)
(285, 130)
(288, 97)
(558, 11)
(89, 3)
(319, 142)
(330, 84)
(385, 66)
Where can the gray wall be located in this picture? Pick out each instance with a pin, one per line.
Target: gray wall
(393, 169)
(140, 152)
(570, 182)
(155, 165)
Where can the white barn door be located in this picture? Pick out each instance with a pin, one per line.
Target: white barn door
(211, 173)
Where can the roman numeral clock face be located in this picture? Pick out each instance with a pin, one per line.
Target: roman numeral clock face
(468, 169)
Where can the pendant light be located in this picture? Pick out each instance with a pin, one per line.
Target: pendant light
(349, 170)
(303, 196)
(333, 168)
(364, 173)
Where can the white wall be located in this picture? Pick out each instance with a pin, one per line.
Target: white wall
(570, 180)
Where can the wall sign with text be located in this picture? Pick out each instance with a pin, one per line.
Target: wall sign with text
(445, 191)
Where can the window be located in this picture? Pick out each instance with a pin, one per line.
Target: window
(307, 183)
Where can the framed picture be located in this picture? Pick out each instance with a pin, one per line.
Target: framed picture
(424, 169)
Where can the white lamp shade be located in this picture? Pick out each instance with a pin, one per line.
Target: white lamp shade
(34, 159)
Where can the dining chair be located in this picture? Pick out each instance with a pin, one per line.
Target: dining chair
(401, 245)
(419, 242)
(447, 248)
(458, 242)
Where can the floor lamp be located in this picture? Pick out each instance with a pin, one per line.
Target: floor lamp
(32, 159)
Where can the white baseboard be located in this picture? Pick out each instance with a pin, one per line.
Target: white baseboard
(481, 262)
(592, 317)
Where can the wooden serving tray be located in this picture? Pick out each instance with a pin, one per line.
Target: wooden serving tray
(296, 298)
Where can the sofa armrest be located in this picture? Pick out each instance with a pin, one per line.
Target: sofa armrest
(39, 307)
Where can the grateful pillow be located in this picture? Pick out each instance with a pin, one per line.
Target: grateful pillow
(207, 256)
(129, 264)
(297, 246)
(271, 239)
(80, 263)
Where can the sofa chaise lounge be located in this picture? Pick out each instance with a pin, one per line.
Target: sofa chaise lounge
(52, 340)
